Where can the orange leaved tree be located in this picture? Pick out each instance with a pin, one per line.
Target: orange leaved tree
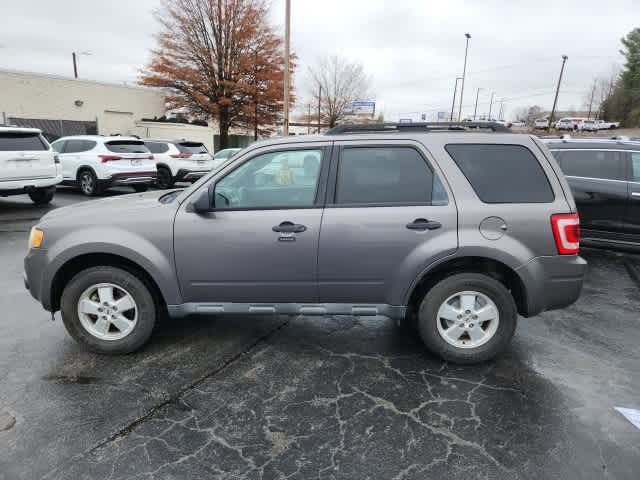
(220, 59)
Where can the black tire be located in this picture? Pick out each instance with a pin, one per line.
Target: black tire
(494, 290)
(143, 187)
(42, 196)
(164, 179)
(147, 309)
(88, 183)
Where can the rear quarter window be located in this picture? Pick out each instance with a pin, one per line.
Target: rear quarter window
(22, 141)
(603, 164)
(502, 173)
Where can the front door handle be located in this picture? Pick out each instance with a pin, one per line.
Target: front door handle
(423, 224)
(289, 227)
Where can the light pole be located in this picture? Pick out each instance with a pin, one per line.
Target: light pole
(464, 73)
(75, 61)
(453, 102)
(287, 35)
(555, 100)
(475, 109)
(490, 106)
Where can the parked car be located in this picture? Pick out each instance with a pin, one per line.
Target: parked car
(454, 232)
(604, 125)
(96, 162)
(519, 124)
(224, 155)
(604, 176)
(541, 123)
(179, 161)
(570, 123)
(591, 125)
(28, 164)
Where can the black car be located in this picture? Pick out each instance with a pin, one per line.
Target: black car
(604, 175)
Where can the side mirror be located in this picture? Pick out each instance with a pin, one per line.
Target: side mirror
(202, 204)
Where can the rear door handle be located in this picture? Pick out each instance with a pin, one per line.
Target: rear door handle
(423, 224)
(289, 227)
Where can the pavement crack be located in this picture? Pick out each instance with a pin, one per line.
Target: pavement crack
(175, 399)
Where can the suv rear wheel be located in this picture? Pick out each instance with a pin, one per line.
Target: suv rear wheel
(88, 183)
(467, 318)
(108, 310)
(42, 196)
(164, 179)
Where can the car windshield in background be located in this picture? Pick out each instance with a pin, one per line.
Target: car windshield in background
(192, 147)
(20, 141)
(126, 146)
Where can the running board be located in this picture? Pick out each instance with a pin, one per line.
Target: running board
(308, 309)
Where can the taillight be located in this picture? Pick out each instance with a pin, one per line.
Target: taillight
(56, 159)
(566, 231)
(109, 158)
(181, 155)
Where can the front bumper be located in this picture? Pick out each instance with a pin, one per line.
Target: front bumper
(552, 282)
(34, 264)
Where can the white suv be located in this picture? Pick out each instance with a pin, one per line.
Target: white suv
(179, 161)
(95, 162)
(27, 164)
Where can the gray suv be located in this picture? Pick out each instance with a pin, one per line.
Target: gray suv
(441, 227)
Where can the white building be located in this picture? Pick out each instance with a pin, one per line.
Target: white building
(66, 106)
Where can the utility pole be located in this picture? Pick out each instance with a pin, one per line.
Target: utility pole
(501, 106)
(287, 73)
(475, 109)
(75, 66)
(593, 92)
(464, 73)
(555, 100)
(319, 105)
(453, 102)
(490, 106)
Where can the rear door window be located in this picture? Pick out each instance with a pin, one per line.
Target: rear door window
(502, 173)
(192, 147)
(22, 141)
(78, 146)
(386, 176)
(126, 146)
(607, 165)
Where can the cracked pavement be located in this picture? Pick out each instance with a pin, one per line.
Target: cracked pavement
(326, 398)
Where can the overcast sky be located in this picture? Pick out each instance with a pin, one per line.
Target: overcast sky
(413, 50)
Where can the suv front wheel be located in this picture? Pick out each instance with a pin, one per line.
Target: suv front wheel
(467, 318)
(108, 310)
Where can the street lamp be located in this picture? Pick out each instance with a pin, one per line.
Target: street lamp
(75, 61)
(475, 109)
(453, 103)
(464, 73)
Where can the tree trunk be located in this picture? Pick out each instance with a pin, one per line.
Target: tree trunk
(224, 128)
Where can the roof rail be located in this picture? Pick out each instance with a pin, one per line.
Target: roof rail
(416, 127)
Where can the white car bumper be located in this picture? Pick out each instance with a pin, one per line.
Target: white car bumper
(24, 184)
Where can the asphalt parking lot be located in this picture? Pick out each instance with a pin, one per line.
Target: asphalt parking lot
(299, 398)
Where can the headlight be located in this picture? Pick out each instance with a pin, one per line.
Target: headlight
(35, 238)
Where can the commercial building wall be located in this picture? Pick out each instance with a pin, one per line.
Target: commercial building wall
(115, 108)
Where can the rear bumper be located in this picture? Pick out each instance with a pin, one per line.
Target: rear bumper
(131, 178)
(184, 175)
(25, 185)
(552, 282)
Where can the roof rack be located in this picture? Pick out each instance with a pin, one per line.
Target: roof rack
(417, 127)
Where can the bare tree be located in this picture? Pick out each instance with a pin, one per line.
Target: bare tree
(341, 81)
(528, 114)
